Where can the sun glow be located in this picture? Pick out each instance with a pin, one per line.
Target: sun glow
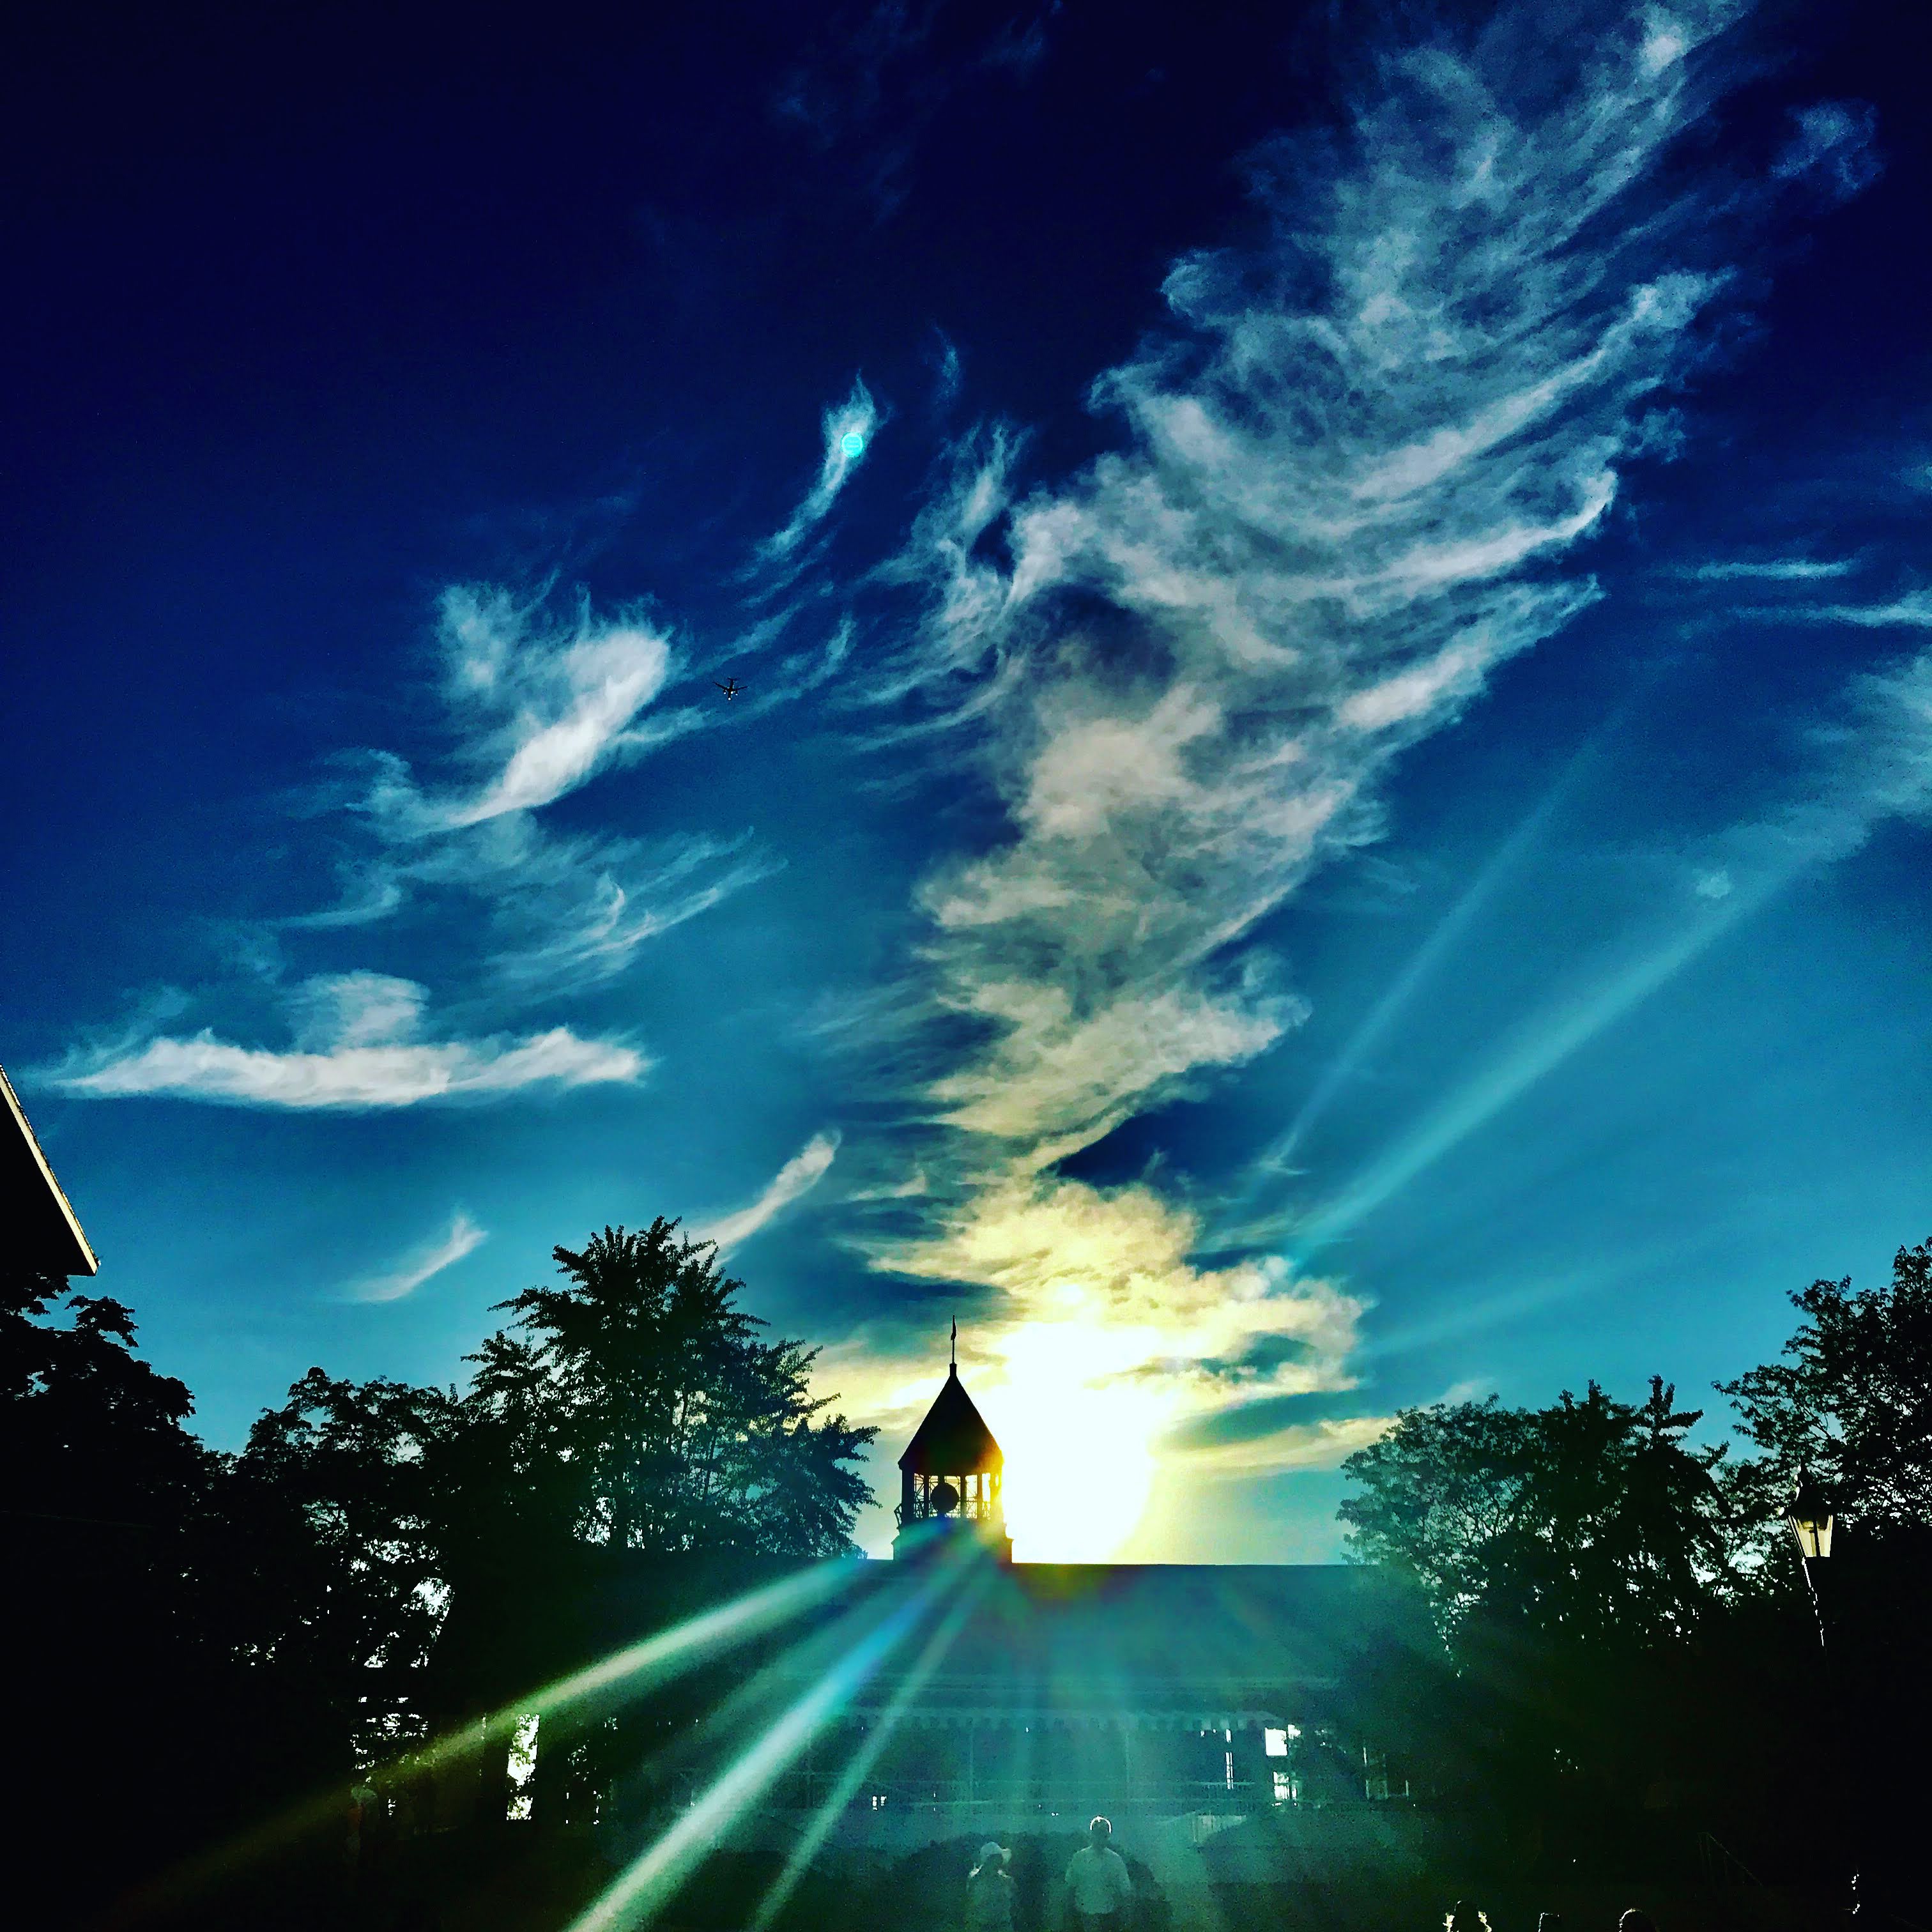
(1077, 1430)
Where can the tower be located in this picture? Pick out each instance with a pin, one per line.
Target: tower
(951, 1473)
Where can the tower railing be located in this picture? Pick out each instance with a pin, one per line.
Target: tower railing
(970, 1509)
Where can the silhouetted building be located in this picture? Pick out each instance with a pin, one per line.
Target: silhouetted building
(952, 1691)
(950, 1474)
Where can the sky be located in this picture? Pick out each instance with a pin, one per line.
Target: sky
(1330, 804)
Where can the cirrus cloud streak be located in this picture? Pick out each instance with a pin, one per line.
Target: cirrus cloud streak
(356, 1051)
(463, 1237)
(1352, 474)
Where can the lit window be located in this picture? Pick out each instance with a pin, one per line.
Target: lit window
(1275, 1743)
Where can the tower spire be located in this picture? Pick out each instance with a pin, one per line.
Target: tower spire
(951, 1472)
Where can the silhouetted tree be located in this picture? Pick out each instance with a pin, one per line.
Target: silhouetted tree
(100, 1436)
(1574, 1556)
(1851, 1397)
(104, 1485)
(1671, 1529)
(1584, 1519)
(343, 1502)
(659, 1412)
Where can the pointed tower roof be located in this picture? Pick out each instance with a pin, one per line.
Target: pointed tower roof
(953, 1440)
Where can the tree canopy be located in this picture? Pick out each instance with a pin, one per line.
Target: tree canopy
(1850, 1397)
(1621, 1616)
(643, 1395)
(1583, 1517)
(288, 1599)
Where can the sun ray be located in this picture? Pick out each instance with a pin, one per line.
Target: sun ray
(1439, 947)
(1532, 1058)
(825, 1820)
(630, 1672)
(642, 1888)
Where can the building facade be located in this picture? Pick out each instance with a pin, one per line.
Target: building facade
(952, 1693)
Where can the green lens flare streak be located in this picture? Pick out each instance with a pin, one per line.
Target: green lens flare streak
(642, 1888)
(641, 1666)
(825, 1819)
(630, 1672)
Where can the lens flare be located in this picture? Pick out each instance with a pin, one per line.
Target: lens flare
(1530, 1059)
(851, 1779)
(1440, 947)
(642, 1888)
(625, 1673)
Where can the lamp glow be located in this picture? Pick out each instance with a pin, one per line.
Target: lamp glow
(1810, 1517)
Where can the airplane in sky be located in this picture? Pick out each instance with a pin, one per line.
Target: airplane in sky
(730, 687)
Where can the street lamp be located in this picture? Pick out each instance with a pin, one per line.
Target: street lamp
(1810, 1517)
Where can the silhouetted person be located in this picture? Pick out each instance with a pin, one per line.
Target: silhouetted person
(1460, 1919)
(1097, 1882)
(363, 1803)
(989, 1891)
(1634, 1921)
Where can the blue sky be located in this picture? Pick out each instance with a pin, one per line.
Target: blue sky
(1331, 802)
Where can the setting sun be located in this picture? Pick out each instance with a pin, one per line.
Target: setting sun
(1078, 1436)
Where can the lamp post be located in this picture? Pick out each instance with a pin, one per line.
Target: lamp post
(1811, 1518)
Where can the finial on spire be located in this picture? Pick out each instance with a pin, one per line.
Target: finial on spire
(955, 1342)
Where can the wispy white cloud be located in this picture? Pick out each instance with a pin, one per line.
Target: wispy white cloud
(1063, 1250)
(1351, 473)
(848, 429)
(410, 1270)
(545, 705)
(537, 705)
(798, 1176)
(355, 1049)
(948, 375)
(1835, 145)
(1324, 528)
(1323, 1444)
(1773, 569)
(1911, 611)
(566, 911)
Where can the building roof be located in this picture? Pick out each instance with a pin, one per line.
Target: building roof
(1176, 1645)
(953, 1440)
(43, 1233)
(1048, 1635)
